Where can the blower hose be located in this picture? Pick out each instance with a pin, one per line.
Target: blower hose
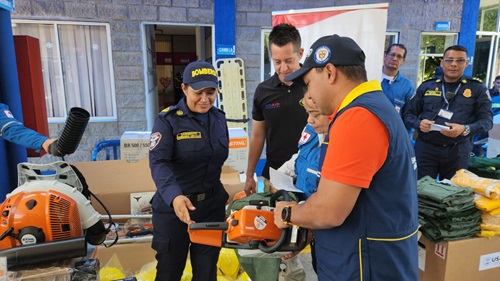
(72, 133)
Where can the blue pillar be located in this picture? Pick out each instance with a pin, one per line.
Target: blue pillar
(468, 27)
(10, 154)
(225, 27)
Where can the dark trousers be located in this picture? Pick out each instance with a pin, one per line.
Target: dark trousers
(171, 240)
(445, 161)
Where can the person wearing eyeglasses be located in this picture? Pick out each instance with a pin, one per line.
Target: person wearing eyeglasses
(447, 111)
(495, 96)
(395, 86)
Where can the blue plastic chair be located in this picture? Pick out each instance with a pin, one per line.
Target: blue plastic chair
(107, 145)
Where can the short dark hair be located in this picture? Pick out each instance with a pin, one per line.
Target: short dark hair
(397, 45)
(456, 48)
(283, 34)
(355, 73)
(497, 78)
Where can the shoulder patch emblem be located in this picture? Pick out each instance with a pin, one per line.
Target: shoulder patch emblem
(188, 135)
(166, 109)
(304, 138)
(179, 112)
(154, 140)
(477, 79)
(8, 114)
(467, 93)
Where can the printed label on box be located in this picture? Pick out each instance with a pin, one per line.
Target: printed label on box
(489, 261)
(440, 250)
(421, 258)
(134, 145)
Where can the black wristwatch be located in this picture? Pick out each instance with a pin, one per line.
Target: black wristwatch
(286, 214)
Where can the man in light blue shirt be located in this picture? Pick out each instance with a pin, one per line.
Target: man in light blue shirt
(395, 86)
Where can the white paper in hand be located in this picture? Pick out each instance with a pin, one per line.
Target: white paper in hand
(437, 127)
(281, 181)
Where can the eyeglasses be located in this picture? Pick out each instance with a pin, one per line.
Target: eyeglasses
(393, 55)
(457, 61)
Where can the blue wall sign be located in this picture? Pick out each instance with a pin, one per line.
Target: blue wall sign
(442, 25)
(226, 50)
(7, 5)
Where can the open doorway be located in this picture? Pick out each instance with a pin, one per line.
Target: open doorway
(167, 50)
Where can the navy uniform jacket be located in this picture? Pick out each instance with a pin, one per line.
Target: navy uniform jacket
(186, 155)
(14, 131)
(470, 106)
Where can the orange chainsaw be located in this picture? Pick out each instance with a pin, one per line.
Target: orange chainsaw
(251, 227)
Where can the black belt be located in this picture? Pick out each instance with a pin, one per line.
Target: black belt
(197, 197)
(444, 145)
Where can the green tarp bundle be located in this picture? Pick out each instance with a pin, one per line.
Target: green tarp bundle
(446, 212)
(485, 167)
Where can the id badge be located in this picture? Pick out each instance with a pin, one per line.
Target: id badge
(446, 114)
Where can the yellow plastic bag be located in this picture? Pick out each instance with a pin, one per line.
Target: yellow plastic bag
(147, 272)
(187, 275)
(483, 186)
(228, 264)
(113, 270)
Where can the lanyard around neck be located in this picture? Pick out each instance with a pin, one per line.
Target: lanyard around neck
(444, 95)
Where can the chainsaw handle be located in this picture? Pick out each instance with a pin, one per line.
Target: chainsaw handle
(284, 232)
(278, 194)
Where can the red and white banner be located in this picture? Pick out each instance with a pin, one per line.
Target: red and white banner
(365, 24)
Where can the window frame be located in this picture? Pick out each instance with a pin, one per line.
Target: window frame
(423, 56)
(54, 25)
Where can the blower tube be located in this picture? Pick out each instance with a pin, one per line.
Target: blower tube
(72, 133)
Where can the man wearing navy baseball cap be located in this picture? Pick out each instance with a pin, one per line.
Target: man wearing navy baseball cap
(367, 191)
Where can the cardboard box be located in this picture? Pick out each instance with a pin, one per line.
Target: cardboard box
(494, 138)
(232, 181)
(134, 145)
(113, 181)
(132, 256)
(467, 259)
(238, 150)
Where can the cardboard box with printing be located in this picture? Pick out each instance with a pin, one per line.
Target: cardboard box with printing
(460, 260)
(134, 145)
(238, 150)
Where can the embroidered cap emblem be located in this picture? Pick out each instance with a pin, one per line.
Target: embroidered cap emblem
(322, 54)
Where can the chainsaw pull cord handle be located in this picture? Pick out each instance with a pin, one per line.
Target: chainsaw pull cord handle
(284, 232)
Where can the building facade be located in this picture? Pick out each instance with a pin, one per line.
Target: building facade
(130, 31)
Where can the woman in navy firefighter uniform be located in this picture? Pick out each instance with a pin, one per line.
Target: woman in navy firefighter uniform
(188, 146)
